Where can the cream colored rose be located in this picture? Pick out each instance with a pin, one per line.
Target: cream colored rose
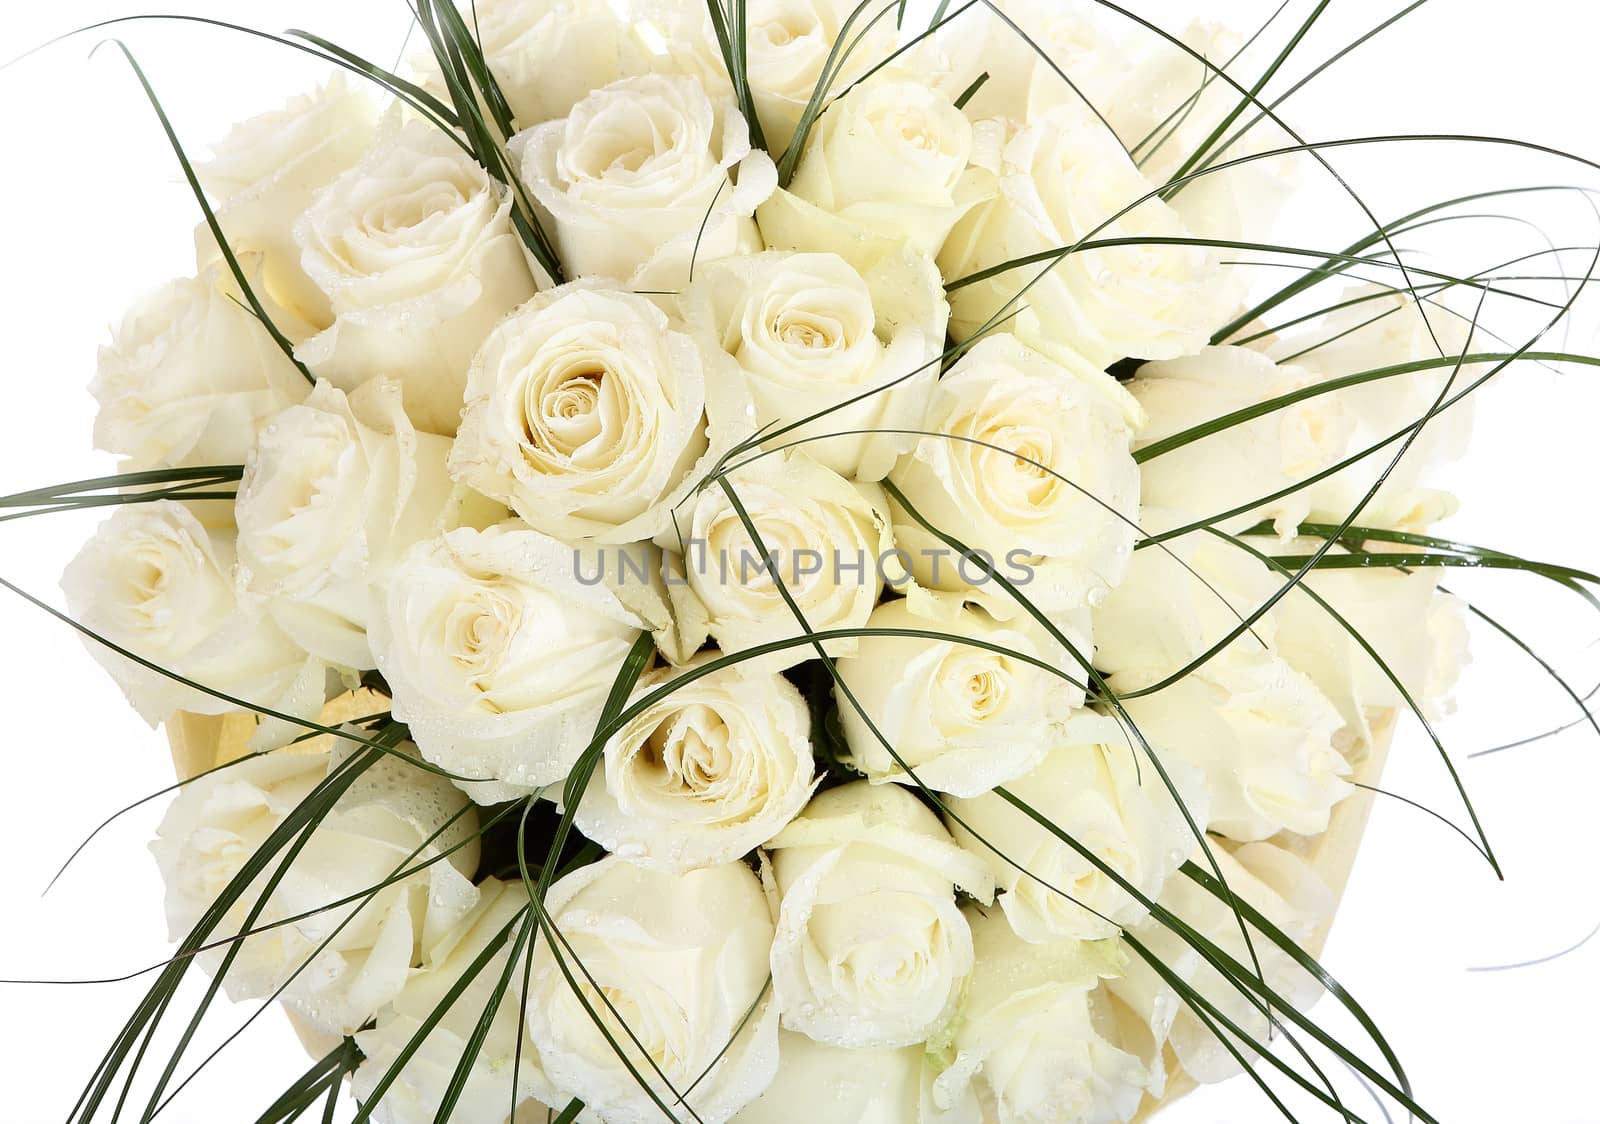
(865, 1086)
(1028, 463)
(1418, 630)
(1059, 181)
(262, 177)
(189, 377)
(1097, 786)
(871, 949)
(1280, 885)
(1385, 330)
(1178, 599)
(825, 537)
(416, 1094)
(645, 177)
(809, 333)
(394, 808)
(415, 249)
(1262, 456)
(889, 161)
(1030, 1033)
(680, 960)
(328, 503)
(1261, 733)
(591, 416)
(963, 718)
(154, 581)
(704, 775)
(789, 42)
(499, 658)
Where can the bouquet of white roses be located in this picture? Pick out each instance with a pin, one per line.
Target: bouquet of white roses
(759, 563)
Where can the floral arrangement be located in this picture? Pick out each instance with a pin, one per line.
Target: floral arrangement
(760, 562)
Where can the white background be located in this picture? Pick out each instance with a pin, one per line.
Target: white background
(93, 211)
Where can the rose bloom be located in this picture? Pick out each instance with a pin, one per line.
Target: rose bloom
(1028, 462)
(499, 658)
(825, 536)
(680, 961)
(156, 582)
(1100, 788)
(415, 249)
(645, 177)
(963, 718)
(871, 1086)
(1031, 1033)
(871, 949)
(329, 502)
(703, 775)
(1062, 179)
(808, 334)
(591, 416)
(392, 819)
(263, 176)
(190, 376)
(887, 163)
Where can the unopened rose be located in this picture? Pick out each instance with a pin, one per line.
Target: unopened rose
(1097, 786)
(189, 377)
(871, 949)
(1062, 180)
(591, 416)
(154, 581)
(1027, 463)
(704, 775)
(262, 177)
(808, 334)
(415, 250)
(499, 658)
(329, 501)
(680, 960)
(645, 177)
(963, 718)
(393, 818)
(824, 536)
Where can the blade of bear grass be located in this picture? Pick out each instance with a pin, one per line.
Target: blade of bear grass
(199, 475)
(1549, 670)
(211, 219)
(326, 1071)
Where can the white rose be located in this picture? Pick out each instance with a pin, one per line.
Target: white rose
(788, 45)
(327, 504)
(1384, 330)
(1030, 1032)
(680, 960)
(154, 581)
(644, 178)
(963, 718)
(262, 177)
(823, 534)
(871, 949)
(1260, 732)
(1418, 630)
(590, 416)
(1097, 786)
(1057, 182)
(391, 810)
(1178, 599)
(887, 161)
(1262, 456)
(415, 249)
(1280, 885)
(1027, 462)
(499, 658)
(809, 333)
(189, 377)
(704, 775)
(819, 1082)
(415, 1095)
